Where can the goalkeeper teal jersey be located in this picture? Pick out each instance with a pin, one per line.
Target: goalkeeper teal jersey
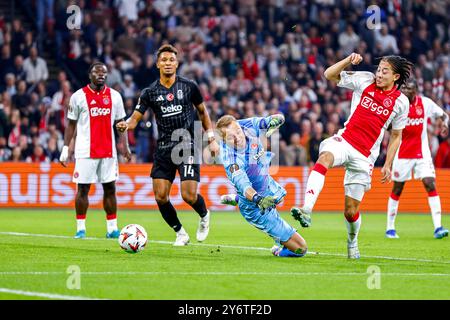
(249, 166)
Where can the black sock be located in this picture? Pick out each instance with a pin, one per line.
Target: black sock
(200, 206)
(169, 214)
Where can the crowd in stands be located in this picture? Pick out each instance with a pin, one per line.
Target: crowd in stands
(249, 57)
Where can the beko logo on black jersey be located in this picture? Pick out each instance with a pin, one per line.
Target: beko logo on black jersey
(171, 110)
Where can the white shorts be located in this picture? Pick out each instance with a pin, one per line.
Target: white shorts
(402, 168)
(89, 170)
(358, 168)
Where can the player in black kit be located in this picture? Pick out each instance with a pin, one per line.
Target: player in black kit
(172, 99)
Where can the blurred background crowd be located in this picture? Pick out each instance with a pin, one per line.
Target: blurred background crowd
(249, 57)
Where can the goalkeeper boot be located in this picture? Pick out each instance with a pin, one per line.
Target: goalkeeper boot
(229, 199)
(203, 227)
(113, 235)
(81, 234)
(302, 216)
(352, 250)
(282, 251)
(392, 234)
(182, 238)
(440, 233)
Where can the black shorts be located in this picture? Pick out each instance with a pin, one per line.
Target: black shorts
(165, 168)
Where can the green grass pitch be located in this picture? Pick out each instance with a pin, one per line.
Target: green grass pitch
(233, 263)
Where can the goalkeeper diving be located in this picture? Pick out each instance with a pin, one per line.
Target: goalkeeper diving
(247, 167)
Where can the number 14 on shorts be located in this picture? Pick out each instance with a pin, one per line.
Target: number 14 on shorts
(188, 170)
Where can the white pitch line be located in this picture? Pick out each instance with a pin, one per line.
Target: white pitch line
(223, 246)
(218, 273)
(45, 295)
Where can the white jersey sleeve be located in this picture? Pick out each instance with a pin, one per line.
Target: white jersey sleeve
(432, 110)
(355, 80)
(118, 105)
(74, 107)
(400, 119)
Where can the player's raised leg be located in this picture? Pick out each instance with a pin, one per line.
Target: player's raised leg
(353, 196)
(110, 207)
(81, 207)
(393, 209)
(434, 202)
(196, 201)
(161, 188)
(314, 186)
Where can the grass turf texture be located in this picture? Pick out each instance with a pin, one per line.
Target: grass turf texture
(215, 271)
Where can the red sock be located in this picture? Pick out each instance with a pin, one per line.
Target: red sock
(394, 196)
(354, 218)
(320, 169)
(111, 216)
(433, 193)
(81, 216)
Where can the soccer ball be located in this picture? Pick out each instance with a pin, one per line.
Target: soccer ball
(133, 238)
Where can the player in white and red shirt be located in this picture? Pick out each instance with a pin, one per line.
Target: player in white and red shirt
(414, 155)
(93, 111)
(376, 104)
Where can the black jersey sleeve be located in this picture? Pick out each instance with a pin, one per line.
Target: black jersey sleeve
(144, 102)
(196, 96)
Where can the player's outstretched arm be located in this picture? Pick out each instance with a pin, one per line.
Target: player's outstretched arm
(68, 135)
(131, 122)
(333, 72)
(394, 142)
(207, 126)
(276, 121)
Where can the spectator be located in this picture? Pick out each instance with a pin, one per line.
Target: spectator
(5, 152)
(295, 153)
(10, 81)
(386, 43)
(442, 159)
(315, 141)
(38, 155)
(127, 9)
(249, 66)
(35, 67)
(348, 40)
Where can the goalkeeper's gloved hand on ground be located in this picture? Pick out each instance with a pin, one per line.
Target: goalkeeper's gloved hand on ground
(276, 122)
(264, 202)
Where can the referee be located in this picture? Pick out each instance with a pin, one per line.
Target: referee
(172, 99)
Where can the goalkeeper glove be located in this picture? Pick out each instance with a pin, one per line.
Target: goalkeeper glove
(274, 124)
(264, 203)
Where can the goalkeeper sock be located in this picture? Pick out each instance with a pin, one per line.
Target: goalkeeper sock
(314, 186)
(285, 252)
(435, 205)
(200, 207)
(169, 215)
(81, 222)
(392, 211)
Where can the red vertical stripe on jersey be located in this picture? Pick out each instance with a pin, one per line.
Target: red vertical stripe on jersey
(369, 117)
(100, 109)
(411, 147)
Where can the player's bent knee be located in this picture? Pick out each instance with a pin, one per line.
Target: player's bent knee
(161, 198)
(430, 184)
(189, 197)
